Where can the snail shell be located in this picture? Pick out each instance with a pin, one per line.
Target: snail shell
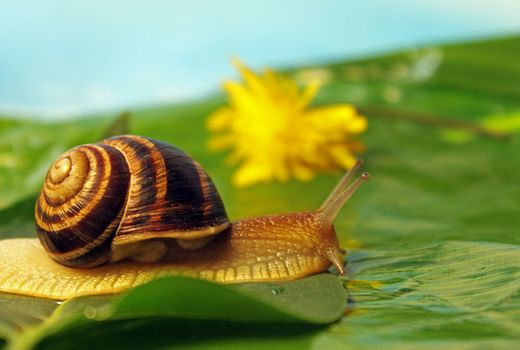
(99, 199)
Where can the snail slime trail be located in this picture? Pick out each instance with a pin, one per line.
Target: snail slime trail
(121, 212)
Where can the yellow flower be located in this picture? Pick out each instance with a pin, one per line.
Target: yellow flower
(275, 135)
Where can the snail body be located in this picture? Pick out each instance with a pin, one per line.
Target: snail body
(150, 232)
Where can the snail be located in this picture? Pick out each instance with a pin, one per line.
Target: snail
(118, 213)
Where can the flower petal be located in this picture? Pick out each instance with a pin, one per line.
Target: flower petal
(273, 134)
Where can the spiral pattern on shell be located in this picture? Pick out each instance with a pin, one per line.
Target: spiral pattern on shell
(123, 190)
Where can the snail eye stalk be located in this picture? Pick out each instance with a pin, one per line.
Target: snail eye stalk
(342, 193)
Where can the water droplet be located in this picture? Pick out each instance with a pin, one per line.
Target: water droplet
(90, 312)
(276, 289)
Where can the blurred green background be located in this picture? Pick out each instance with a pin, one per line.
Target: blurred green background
(433, 239)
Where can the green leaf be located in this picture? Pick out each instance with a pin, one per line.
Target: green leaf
(508, 122)
(28, 147)
(19, 312)
(293, 305)
(454, 292)
(297, 301)
(120, 126)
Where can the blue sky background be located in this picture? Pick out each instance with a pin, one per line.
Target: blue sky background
(64, 58)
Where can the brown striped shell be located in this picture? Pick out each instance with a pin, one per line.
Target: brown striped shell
(123, 190)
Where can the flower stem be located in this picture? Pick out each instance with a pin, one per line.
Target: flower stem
(432, 120)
